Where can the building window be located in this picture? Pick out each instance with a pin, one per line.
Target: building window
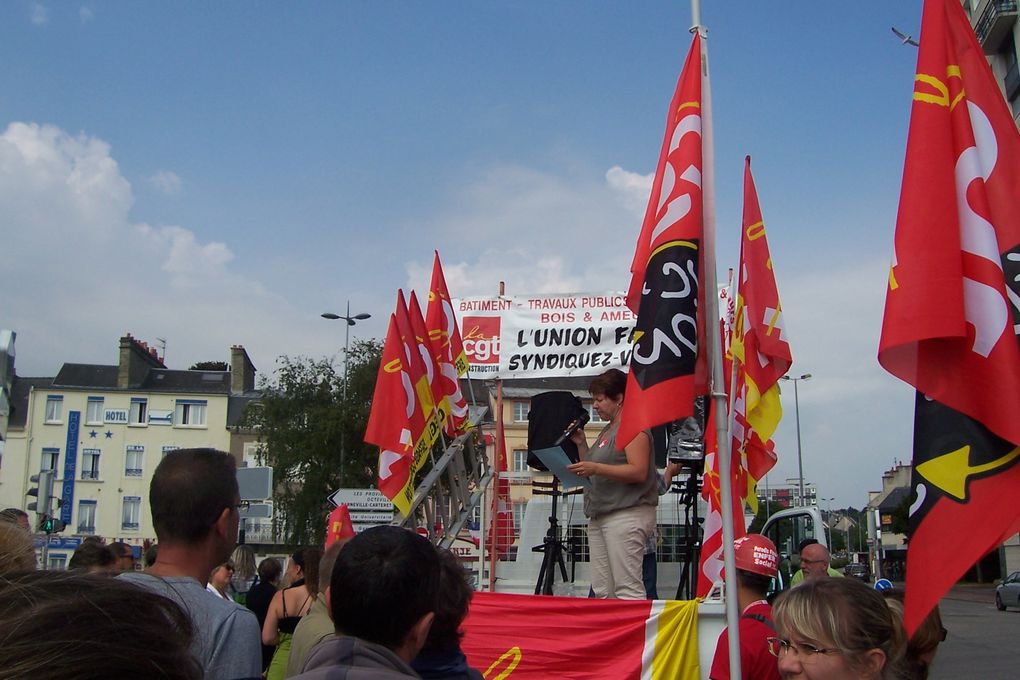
(190, 413)
(57, 562)
(54, 408)
(132, 515)
(521, 409)
(520, 460)
(519, 507)
(133, 460)
(90, 463)
(49, 459)
(94, 411)
(139, 412)
(86, 517)
(169, 448)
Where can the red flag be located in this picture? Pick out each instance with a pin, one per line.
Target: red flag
(441, 324)
(428, 357)
(710, 567)
(390, 422)
(666, 271)
(951, 306)
(418, 372)
(440, 316)
(339, 526)
(759, 348)
(501, 529)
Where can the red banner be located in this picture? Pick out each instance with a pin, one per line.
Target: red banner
(441, 324)
(541, 637)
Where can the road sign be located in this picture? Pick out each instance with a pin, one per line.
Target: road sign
(366, 500)
(255, 483)
(371, 517)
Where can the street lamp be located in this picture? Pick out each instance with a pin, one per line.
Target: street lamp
(796, 408)
(351, 320)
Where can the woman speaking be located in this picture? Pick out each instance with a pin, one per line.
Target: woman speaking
(620, 504)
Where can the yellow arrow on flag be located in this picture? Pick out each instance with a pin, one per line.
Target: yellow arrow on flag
(950, 471)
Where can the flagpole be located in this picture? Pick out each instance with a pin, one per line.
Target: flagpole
(498, 448)
(715, 355)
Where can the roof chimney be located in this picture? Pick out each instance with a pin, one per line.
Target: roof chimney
(135, 362)
(242, 371)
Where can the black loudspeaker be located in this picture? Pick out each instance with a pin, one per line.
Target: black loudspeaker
(551, 413)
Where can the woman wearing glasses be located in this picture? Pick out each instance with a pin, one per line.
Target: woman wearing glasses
(836, 629)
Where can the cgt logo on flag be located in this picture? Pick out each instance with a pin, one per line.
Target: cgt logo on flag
(666, 335)
(481, 339)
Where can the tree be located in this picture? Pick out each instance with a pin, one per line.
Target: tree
(210, 366)
(303, 423)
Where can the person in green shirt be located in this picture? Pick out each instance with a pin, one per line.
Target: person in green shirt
(814, 562)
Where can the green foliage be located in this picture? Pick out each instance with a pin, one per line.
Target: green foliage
(209, 366)
(901, 517)
(303, 425)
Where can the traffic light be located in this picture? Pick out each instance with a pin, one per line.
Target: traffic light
(43, 492)
(51, 525)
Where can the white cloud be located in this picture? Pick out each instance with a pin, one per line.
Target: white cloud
(83, 273)
(39, 14)
(86, 14)
(166, 181)
(633, 188)
(536, 231)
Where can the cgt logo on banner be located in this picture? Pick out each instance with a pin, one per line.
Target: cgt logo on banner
(480, 336)
(545, 335)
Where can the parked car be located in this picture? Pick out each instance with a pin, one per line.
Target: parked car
(1007, 593)
(857, 570)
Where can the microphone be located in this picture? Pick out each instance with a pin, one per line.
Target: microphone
(573, 427)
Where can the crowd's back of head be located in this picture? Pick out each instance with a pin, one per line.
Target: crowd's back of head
(384, 581)
(60, 624)
(190, 489)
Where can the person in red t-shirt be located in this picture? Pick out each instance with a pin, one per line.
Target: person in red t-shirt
(757, 564)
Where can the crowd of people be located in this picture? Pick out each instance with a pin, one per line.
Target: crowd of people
(384, 604)
(387, 603)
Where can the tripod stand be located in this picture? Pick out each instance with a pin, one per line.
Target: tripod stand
(552, 547)
(690, 543)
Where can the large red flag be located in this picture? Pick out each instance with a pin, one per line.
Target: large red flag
(393, 416)
(951, 307)
(666, 272)
(761, 353)
(449, 351)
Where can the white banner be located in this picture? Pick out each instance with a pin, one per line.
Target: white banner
(541, 336)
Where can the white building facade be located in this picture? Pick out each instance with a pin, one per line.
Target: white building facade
(103, 429)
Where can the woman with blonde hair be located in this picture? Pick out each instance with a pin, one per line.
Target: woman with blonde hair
(241, 581)
(836, 629)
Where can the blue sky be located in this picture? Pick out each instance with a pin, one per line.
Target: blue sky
(221, 173)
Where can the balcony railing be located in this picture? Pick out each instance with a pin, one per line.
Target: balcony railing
(133, 472)
(995, 23)
(129, 526)
(262, 533)
(87, 529)
(90, 474)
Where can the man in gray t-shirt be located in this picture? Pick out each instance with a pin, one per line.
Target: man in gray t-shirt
(194, 502)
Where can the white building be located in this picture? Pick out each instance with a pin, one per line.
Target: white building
(103, 429)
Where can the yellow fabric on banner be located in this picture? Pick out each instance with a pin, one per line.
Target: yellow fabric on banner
(764, 416)
(675, 641)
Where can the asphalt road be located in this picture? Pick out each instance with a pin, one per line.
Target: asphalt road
(982, 641)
